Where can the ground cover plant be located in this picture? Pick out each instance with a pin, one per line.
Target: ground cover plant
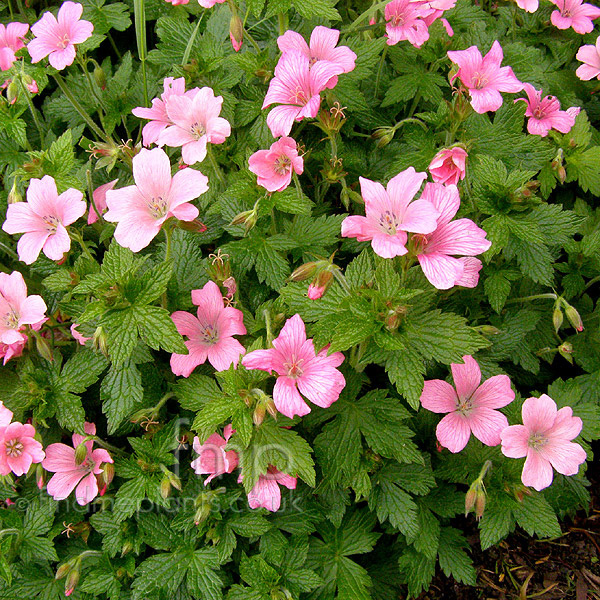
(288, 287)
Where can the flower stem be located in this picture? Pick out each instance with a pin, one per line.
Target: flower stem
(32, 109)
(268, 327)
(282, 19)
(168, 246)
(530, 298)
(364, 16)
(342, 281)
(139, 11)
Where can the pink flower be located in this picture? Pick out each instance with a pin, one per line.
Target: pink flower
(297, 88)
(213, 459)
(210, 333)
(235, 44)
(99, 195)
(461, 237)
(196, 122)
(299, 367)
(470, 406)
(8, 351)
(323, 43)
(11, 40)
(141, 209)
(529, 6)
(437, 10)
(545, 439)
(266, 492)
(6, 415)
(449, 165)
(18, 448)
(315, 292)
(158, 113)
(274, 167)
(209, 3)
(69, 474)
(484, 77)
(81, 339)
(575, 14)
(43, 219)
(178, 2)
(57, 38)
(17, 309)
(589, 55)
(405, 21)
(545, 114)
(390, 214)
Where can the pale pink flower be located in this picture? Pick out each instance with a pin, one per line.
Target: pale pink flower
(99, 195)
(575, 14)
(297, 88)
(81, 339)
(141, 209)
(390, 214)
(209, 3)
(470, 406)
(68, 474)
(57, 38)
(17, 309)
(266, 492)
(449, 165)
(545, 439)
(6, 415)
(484, 77)
(11, 40)
(529, 6)
(405, 21)
(43, 219)
(274, 167)
(18, 448)
(299, 367)
(323, 43)
(210, 333)
(213, 460)
(196, 122)
(462, 237)
(158, 112)
(8, 351)
(589, 55)
(545, 114)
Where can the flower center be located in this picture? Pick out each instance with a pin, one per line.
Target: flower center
(479, 80)
(198, 130)
(157, 207)
(298, 97)
(293, 367)
(51, 223)
(398, 20)
(537, 441)
(14, 448)
(566, 12)
(465, 406)
(282, 165)
(63, 42)
(388, 222)
(538, 112)
(209, 334)
(420, 241)
(312, 61)
(11, 319)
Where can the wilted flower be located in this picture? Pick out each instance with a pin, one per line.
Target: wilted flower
(448, 166)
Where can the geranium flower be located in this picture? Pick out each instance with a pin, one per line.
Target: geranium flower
(484, 77)
(11, 40)
(405, 21)
(470, 406)
(390, 214)
(18, 448)
(99, 195)
(8, 351)
(297, 87)
(17, 309)
(6, 415)
(575, 14)
(43, 219)
(213, 460)
(196, 122)
(589, 55)
(81, 339)
(266, 492)
(462, 237)
(529, 6)
(210, 333)
(209, 3)
(545, 439)
(323, 42)
(299, 367)
(274, 167)
(71, 474)
(141, 209)
(57, 38)
(448, 166)
(545, 114)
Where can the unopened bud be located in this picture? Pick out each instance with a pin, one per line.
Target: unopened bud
(126, 549)
(236, 32)
(196, 225)
(574, 317)
(383, 136)
(43, 348)
(165, 487)
(64, 570)
(72, 581)
(479, 504)
(248, 218)
(566, 350)
(12, 92)
(40, 476)
(271, 408)
(202, 513)
(100, 77)
(304, 271)
(319, 286)
(487, 329)
(99, 341)
(14, 195)
(81, 453)
(258, 416)
(108, 473)
(470, 499)
(562, 174)
(557, 319)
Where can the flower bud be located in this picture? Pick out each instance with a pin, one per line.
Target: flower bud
(487, 329)
(574, 317)
(562, 174)
(383, 136)
(304, 271)
(165, 487)
(557, 318)
(99, 341)
(32, 87)
(81, 453)
(64, 570)
(43, 348)
(319, 286)
(566, 350)
(14, 195)
(271, 408)
(258, 416)
(40, 476)
(248, 218)
(100, 77)
(196, 225)
(231, 286)
(236, 32)
(202, 513)
(12, 91)
(479, 504)
(72, 580)
(108, 473)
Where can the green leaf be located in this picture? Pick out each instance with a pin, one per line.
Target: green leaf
(82, 370)
(154, 283)
(157, 329)
(121, 334)
(536, 516)
(453, 558)
(317, 9)
(406, 370)
(121, 390)
(293, 201)
(69, 411)
(416, 570)
(497, 521)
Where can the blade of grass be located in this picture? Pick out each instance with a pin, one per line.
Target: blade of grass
(139, 13)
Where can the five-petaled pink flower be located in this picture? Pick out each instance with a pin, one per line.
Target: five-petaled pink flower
(297, 87)
(470, 406)
(11, 40)
(449, 165)
(323, 43)
(405, 21)
(575, 14)
(266, 492)
(274, 167)
(462, 237)
(529, 6)
(69, 473)
(484, 77)
(57, 38)
(545, 439)
(196, 122)
(210, 333)
(299, 367)
(390, 214)
(99, 195)
(141, 209)
(18, 448)
(17, 309)
(213, 460)
(589, 55)
(43, 219)
(544, 113)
